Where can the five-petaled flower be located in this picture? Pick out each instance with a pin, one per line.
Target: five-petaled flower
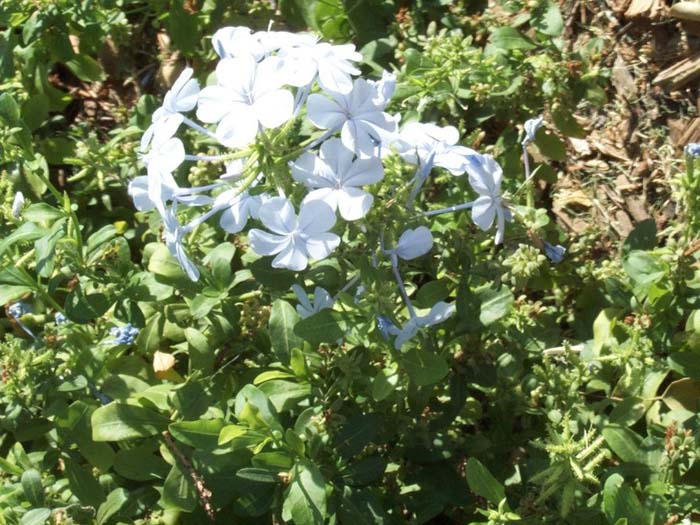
(485, 176)
(359, 115)
(295, 240)
(531, 126)
(306, 308)
(248, 95)
(428, 145)
(336, 178)
(440, 312)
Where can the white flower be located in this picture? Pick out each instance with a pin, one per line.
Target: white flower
(17, 204)
(438, 313)
(305, 308)
(413, 243)
(237, 209)
(230, 42)
(384, 89)
(332, 64)
(531, 126)
(173, 234)
(363, 124)
(247, 96)
(294, 239)
(181, 97)
(336, 178)
(485, 176)
(429, 145)
(166, 152)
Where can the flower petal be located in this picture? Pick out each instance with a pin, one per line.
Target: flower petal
(354, 203)
(363, 171)
(483, 212)
(312, 171)
(291, 257)
(278, 215)
(414, 243)
(315, 217)
(238, 128)
(264, 243)
(214, 103)
(324, 112)
(328, 195)
(320, 246)
(274, 108)
(484, 174)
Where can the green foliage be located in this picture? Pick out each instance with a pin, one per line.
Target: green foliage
(557, 394)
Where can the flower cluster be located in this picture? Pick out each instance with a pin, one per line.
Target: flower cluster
(123, 335)
(296, 190)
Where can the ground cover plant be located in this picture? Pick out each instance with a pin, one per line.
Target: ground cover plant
(324, 262)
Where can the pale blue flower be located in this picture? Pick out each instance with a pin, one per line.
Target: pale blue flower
(386, 327)
(692, 149)
(16, 311)
(60, 319)
(531, 126)
(485, 176)
(306, 308)
(554, 253)
(123, 335)
(17, 204)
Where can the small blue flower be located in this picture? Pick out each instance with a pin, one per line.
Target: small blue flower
(104, 399)
(17, 310)
(359, 292)
(123, 335)
(386, 327)
(692, 149)
(554, 253)
(60, 319)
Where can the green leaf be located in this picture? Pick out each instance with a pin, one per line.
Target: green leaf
(283, 317)
(509, 38)
(643, 237)
(424, 367)
(33, 489)
(305, 499)
(482, 483)
(10, 293)
(26, 233)
(200, 351)
(35, 517)
(253, 406)
(119, 421)
(624, 442)
(685, 363)
(547, 19)
(113, 504)
(83, 308)
(140, 463)
(86, 68)
(149, 338)
(202, 434)
(179, 491)
(45, 249)
(321, 327)
(182, 26)
(357, 433)
(620, 502)
(285, 395)
(495, 304)
(83, 484)
(551, 146)
(683, 394)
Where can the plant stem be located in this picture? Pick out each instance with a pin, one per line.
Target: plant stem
(457, 207)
